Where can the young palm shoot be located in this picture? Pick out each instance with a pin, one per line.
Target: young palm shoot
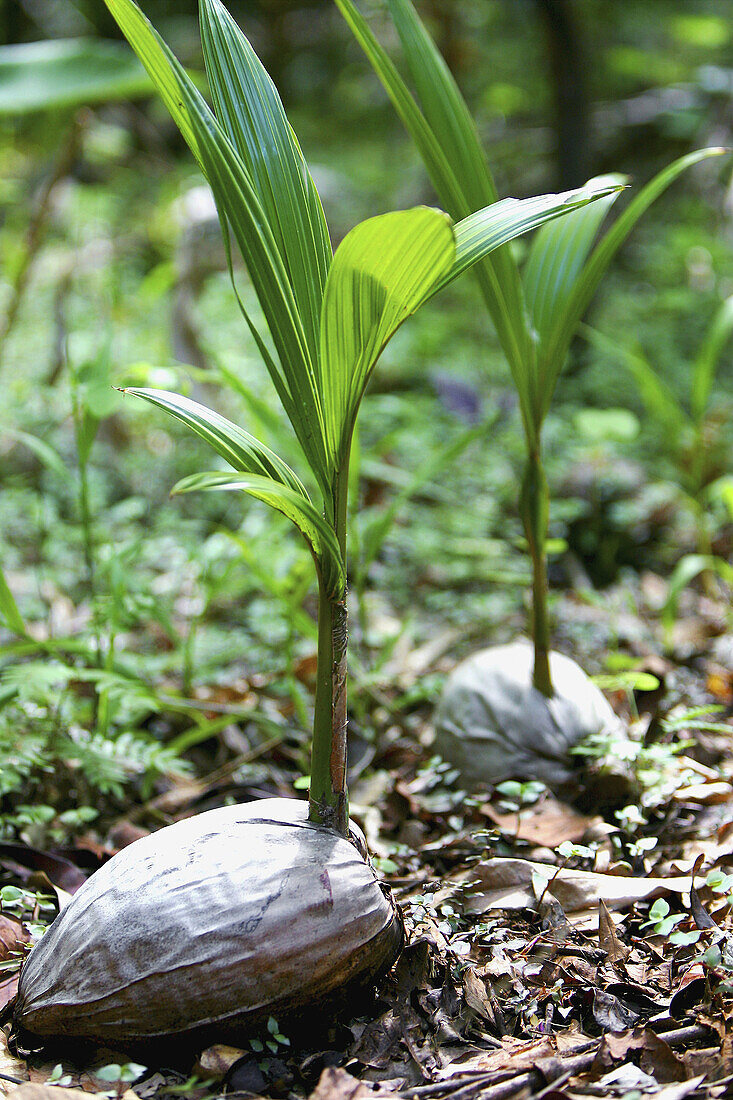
(271, 906)
(535, 313)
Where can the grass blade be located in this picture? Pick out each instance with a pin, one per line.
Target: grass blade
(658, 398)
(250, 111)
(318, 534)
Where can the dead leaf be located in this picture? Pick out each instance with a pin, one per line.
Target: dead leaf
(705, 794)
(46, 1092)
(215, 1062)
(546, 824)
(12, 936)
(476, 996)
(500, 883)
(23, 860)
(656, 1057)
(611, 1014)
(337, 1084)
(8, 989)
(607, 938)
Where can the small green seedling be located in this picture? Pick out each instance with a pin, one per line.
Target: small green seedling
(120, 1076)
(329, 318)
(693, 432)
(58, 1077)
(661, 920)
(535, 312)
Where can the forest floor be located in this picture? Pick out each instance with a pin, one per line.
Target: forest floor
(555, 949)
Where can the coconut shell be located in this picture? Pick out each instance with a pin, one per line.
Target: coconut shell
(493, 725)
(216, 921)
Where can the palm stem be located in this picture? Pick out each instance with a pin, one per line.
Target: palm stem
(534, 507)
(329, 800)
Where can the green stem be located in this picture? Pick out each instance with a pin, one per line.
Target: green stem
(329, 800)
(534, 508)
(328, 794)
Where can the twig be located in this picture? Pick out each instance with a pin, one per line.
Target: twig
(579, 1062)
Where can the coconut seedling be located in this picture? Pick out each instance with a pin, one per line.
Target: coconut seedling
(263, 909)
(512, 707)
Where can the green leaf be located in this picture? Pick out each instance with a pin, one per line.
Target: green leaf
(42, 450)
(687, 568)
(240, 449)
(557, 339)
(382, 271)
(447, 142)
(559, 251)
(236, 198)
(317, 532)
(9, 608)
(488, 229)
(658, 398)
(67, 72)
(703, 371)
(250, 111)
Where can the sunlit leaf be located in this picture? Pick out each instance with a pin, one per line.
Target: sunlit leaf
(446, 140)
(559, 251)
(381, 273)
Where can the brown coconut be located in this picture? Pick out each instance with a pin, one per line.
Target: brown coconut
(211, 924)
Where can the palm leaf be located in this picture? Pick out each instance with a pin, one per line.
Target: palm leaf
(557, 342)
(318, 534)
(237, 200)
(449, 147)
(381, 273)
(250, 111)
(559, 251)
(488, 229)
(237, 447)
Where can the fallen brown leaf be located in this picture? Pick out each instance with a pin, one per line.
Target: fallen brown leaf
(607, 937)
(215, 1062)
(46, 1092)
(12, 935)
(546, 824)
(337, 1084)
(501, 883)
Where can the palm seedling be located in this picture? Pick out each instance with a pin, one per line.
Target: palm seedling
(535, 312)
(695, 434)
(266, 907)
